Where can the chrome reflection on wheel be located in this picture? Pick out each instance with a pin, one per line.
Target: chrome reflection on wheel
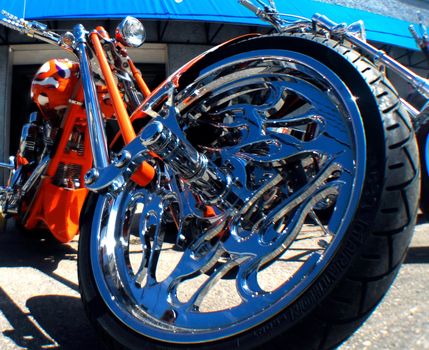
(287, 134)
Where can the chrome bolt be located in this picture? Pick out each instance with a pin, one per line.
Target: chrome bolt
(122, 159)
(91, 176)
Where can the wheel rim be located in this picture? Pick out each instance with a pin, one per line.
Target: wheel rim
(286, 130)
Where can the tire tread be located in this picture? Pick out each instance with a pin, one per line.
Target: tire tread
(373, 273)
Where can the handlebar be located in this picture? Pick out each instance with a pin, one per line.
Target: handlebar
(33, 29)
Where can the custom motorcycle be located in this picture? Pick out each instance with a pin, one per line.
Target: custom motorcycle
(266, 192)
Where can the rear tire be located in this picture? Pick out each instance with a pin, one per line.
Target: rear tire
(367, 259)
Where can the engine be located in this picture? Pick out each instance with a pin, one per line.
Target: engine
(31, 141)
(68, 174)
(37, 140)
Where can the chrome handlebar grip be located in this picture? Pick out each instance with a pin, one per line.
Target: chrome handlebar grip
(268, 14)
(250, 6)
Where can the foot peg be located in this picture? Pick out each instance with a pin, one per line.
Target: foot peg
(10, 165)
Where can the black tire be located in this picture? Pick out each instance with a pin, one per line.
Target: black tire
(422, 134)
(372, 250)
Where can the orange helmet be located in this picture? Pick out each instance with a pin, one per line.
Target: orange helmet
(53, 84)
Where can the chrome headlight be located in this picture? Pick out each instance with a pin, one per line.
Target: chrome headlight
(130, 32)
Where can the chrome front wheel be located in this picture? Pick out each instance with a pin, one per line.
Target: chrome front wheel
(288, 134)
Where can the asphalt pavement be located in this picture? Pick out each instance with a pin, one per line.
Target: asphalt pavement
(40, 306)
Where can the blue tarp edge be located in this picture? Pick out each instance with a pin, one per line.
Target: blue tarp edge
(379, 28)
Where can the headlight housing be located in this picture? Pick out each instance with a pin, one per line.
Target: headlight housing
(130, 32)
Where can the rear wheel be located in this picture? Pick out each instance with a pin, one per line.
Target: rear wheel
(315, 140)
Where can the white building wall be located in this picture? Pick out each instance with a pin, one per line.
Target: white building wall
(179, 54)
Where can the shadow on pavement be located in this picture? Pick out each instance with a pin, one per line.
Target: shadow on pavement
(24, 333)
(417, 255)
(54, 321)
(35, 249)
(59, 321)
(63, 318)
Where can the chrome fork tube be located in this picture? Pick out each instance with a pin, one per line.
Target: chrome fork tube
(95, 119)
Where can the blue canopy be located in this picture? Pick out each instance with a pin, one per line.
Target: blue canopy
(379, 28)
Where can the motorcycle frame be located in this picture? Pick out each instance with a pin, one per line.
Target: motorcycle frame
(95, 118)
